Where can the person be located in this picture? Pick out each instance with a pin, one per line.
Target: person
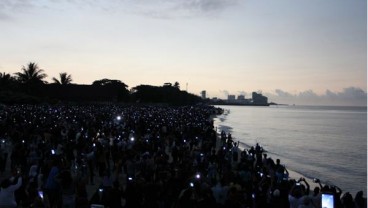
(220, 191)
(7, 198)
(347, 200)
(3, 156)
(298, 195)
(306, 202)
(359, 200)
(276, 199)
(234, 198)
(281, 172)
(235, 152)
(187, 196)
(335, 191)
(68, 188)
(116, 195)
(316, 196)
(81, 197)
(52, 186)
(264, 160)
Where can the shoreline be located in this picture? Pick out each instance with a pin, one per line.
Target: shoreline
(292, 173)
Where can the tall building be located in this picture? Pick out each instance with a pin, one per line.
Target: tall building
(231, 97)
(203, 94)
(241, 97)
(259, 99)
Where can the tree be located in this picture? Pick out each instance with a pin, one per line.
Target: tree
(109, 82)
(65, 79)
(163, 94)
(31, 74)
(4, 76)
(6, 79)
(113, 85)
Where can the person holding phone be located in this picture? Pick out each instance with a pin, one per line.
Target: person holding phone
(7, 189)
(298, 194)
(328, 200)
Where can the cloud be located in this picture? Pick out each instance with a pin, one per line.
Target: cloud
(282, 93)
(169, 9)
(150, 8)
(308, 94)
(4, 16)
(9, 8)
(207, 5)
(7, 5)
(350, 96)
(225, 92)
(243, 93)
(352, 92)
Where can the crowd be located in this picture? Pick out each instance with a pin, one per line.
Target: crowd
(145, 156)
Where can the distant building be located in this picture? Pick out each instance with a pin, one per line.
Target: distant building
(259, 99)
(231, 97)
(241, 97)
(203, 94)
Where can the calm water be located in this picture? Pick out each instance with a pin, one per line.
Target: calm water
(329, 143)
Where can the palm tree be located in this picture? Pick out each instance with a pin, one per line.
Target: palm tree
(6, 79)
(65, 79)
(31, 74)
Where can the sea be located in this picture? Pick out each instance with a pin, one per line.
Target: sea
(324, 142)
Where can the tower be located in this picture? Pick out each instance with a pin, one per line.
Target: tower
(203, 94)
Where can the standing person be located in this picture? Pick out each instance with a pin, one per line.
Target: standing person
(115, 195)
(101, 159)
(298, 193)
(359, 200)
(7, 198)
(91, 167)
(68, 188)
(3, 157)
(52, 186)
(81, 197)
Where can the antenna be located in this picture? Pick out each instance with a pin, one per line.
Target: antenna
(186, 88)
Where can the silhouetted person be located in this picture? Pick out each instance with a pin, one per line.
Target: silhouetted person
(7, 198)
(359, 200)
(52, 187)
(115, 195)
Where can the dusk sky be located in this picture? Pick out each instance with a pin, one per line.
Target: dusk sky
(302, 52)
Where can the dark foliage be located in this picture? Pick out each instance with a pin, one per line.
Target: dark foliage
(28, 86)
(165, 94)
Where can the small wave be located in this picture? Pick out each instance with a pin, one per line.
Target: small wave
(225, 128)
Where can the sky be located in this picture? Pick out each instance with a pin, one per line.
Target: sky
(294, 52)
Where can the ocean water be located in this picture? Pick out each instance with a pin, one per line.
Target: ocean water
(329, 143)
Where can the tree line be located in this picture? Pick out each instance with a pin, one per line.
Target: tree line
(29, 86)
